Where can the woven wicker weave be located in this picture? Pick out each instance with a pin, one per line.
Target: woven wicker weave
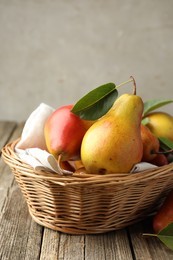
(85, 203)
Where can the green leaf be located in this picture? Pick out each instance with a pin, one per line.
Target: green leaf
(165, 143)
(151, 105)
(96, 103)
(166, 236)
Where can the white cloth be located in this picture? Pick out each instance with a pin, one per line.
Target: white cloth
(142, 166)
(32, 147)
(33, 131)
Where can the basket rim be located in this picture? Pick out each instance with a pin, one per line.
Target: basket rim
(11, 159)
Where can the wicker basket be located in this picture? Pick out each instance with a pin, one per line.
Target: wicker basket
(85, 203)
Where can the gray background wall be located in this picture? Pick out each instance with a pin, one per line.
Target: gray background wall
(56, 51)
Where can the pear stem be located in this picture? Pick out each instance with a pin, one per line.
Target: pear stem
(163, 152)
(128, 81)
(60, 170)
(134, 85)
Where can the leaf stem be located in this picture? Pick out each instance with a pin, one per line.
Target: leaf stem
(151, 235)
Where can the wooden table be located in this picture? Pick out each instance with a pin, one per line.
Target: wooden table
(22, 238)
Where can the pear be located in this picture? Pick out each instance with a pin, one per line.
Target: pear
(160, 160)
(113, 144)
(160, 124)
(151, 144)
(64, 132)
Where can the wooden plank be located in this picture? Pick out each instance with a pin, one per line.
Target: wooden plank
(20, 237)
(113, 245)
(139, 245)
(110, 246)
(56, 245)
(34, 241)
(50, 245)
(71, 247)
(18, 233)
(6, 177)
(149, 248)
(6, 130)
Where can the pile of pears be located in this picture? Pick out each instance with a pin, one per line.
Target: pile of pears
(113, 143)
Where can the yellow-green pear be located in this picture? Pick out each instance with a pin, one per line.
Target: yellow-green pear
(113, 144)
(161, 124)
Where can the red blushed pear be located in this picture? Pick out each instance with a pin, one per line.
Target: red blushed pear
(64, 132)
(164, 215)
(160, 160)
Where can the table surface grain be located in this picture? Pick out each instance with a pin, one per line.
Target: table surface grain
(22, 238)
